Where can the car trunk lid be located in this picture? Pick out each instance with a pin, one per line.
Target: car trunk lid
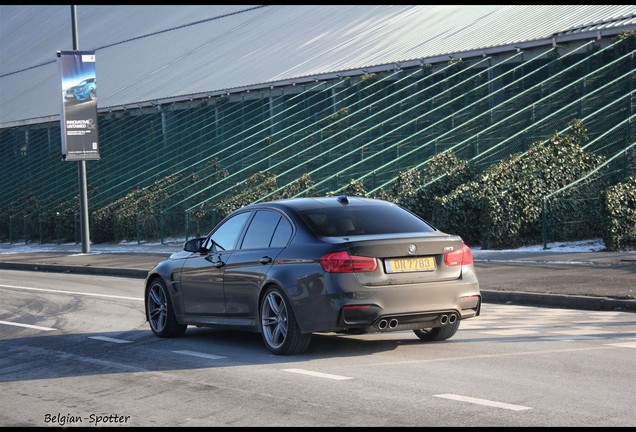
(409, 258)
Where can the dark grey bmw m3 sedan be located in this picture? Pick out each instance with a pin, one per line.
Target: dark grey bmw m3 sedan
(294, 267)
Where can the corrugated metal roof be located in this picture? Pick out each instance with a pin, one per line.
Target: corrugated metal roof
(155, 53)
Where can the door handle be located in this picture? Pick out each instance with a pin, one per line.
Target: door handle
(219, 264)
(265, 260)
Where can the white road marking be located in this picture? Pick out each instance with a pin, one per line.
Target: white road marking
(483, 402)
(568, 338)
(510, 332)
(27, 326)
(72, 292)
(628, 344)
(109, 339)
(318, 374)
(199, 354)
(583, 331)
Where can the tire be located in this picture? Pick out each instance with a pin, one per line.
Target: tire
(279, 327)
(438, 333)
(160, 313)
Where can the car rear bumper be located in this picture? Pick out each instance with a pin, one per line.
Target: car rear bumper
(380, 308)
(383, 319)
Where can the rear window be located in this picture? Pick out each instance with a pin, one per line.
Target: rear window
(341, 221)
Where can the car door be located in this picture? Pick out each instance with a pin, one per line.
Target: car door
(246, 270)
(202, 274)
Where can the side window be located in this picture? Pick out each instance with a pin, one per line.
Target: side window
(282, 234)
(259, 233)
(226, 235)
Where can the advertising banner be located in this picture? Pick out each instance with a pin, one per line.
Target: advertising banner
(79, 105)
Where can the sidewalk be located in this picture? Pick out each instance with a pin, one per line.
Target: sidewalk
(528, 271)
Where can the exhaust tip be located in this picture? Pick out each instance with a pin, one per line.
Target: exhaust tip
(452, 318)
(443, 319)
(382, 324)
(393, 323)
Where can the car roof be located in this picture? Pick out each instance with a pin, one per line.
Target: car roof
(306, 203)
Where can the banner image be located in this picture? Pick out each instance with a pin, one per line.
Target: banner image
(78, 120)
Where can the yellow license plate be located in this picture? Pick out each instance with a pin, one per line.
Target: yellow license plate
(397, 265)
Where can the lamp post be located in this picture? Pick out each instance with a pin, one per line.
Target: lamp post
(84, 225)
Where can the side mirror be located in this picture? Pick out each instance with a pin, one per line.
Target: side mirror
(193, 245)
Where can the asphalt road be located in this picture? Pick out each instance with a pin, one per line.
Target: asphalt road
(77, 351)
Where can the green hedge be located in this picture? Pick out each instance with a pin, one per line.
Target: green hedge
(502, 208)
(620, 216)
(498, 208)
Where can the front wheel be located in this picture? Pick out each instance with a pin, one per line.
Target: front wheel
(160, 313)
(279, 327)
(437, 333)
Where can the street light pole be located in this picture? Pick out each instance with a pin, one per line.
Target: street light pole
(84, 226)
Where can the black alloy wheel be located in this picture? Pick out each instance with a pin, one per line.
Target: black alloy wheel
(279, 327)
(160, 313)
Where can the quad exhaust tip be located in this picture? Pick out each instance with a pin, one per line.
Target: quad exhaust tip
(392, 323)
(448, 319)
(384, 324)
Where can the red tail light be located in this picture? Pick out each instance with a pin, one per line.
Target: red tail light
(342, 262)
(459, 257)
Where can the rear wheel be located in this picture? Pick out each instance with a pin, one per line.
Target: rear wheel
(438, 333)
(160, 313)
(279, 327)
